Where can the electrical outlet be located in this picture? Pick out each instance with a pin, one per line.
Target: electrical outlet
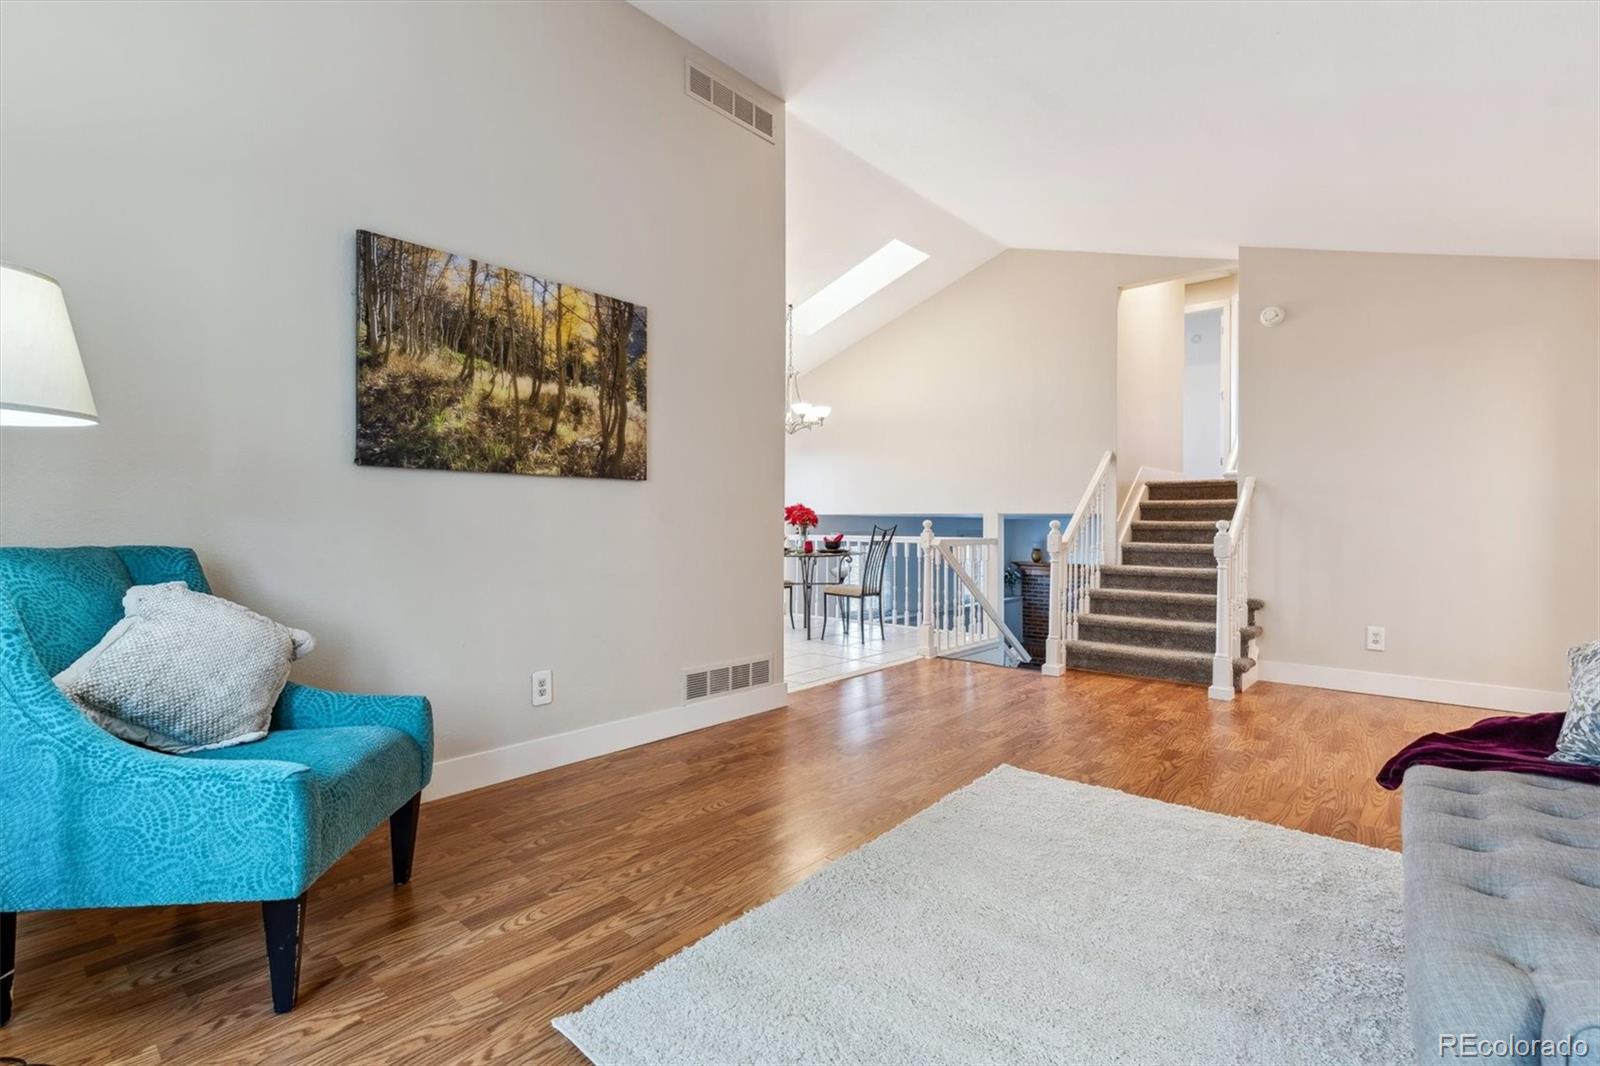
(543, 690)
(1375, 638)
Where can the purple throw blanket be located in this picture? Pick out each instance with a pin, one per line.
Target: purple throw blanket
(1518, 743)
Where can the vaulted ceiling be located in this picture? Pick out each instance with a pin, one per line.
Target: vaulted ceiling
(1185, 128)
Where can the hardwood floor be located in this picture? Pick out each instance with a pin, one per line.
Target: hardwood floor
(532, 897)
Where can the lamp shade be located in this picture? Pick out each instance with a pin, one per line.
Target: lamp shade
(42, 382)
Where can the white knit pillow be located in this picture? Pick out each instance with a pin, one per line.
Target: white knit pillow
(184, 671)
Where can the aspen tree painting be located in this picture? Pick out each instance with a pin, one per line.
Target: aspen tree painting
(463, 365)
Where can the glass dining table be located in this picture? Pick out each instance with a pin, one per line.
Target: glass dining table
(808, 573)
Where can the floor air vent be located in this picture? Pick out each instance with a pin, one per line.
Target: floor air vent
(731, 104)
(731, 677)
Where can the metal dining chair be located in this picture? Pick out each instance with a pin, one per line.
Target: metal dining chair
(871, 586)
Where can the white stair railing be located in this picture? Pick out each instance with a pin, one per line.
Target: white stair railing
(957, 615)
(1232, 549)
(1089, 542)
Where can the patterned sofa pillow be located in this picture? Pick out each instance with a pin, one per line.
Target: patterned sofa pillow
(1579, 741)
(184, 671)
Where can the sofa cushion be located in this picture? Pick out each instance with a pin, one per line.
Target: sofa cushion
(362, 774)
(1502, 883)
(1571, 1021)
(1579, 741)
(66, 598)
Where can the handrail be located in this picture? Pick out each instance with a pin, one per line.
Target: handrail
(863, 537)
(1231, 547)
(1241, 510)
(950, 621)
(983, 601)
(1075, 567)
(1081, 513)
(898, 602)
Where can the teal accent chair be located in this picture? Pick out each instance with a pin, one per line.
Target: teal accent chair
(87, 820)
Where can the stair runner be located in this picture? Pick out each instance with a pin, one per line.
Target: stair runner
(1156, 614)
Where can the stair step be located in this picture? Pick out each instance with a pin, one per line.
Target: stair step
(1143, 603)
(1147, 632)
(1186, 510)
(1160, 578)
(1209, 489)
(1164, 532)
(1190, 667)
(1172, 634)
(1191, 556)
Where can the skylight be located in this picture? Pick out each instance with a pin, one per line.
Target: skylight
(856, 284)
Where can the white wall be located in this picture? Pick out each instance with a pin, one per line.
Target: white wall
(195, 174)
(998, 394)
(1423, 431)
(1199, 292)
(1149, 379)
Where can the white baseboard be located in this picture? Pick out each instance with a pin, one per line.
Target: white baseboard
(466, 772)
(1431, 689)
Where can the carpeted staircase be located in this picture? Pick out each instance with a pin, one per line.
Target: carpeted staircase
(1155, 615)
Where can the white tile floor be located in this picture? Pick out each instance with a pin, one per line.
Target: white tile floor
(823, 659)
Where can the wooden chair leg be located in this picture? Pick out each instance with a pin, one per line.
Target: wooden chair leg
(403, 838)
(8, 962)
(284, 921)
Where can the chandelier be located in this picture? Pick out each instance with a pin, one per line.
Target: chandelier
(797, 414)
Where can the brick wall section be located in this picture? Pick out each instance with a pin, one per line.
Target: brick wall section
(1035, 607)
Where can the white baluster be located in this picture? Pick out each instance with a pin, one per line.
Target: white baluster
(965, 562)
(925, 619)
(1075, 604)
(1111, 550)
(897, 603)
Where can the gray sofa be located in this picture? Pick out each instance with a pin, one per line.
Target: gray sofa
(1502, 917)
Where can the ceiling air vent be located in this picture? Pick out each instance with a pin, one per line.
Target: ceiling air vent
(719, 680)
(733, 105)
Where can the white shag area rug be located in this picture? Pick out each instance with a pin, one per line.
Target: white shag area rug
(1029, 919)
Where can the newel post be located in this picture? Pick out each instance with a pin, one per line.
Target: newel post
(1227, 632)
(925, 616)
(1054, 641)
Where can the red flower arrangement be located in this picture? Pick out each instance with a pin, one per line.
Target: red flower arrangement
(798, 514)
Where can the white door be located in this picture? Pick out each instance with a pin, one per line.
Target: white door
(1207, 388)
